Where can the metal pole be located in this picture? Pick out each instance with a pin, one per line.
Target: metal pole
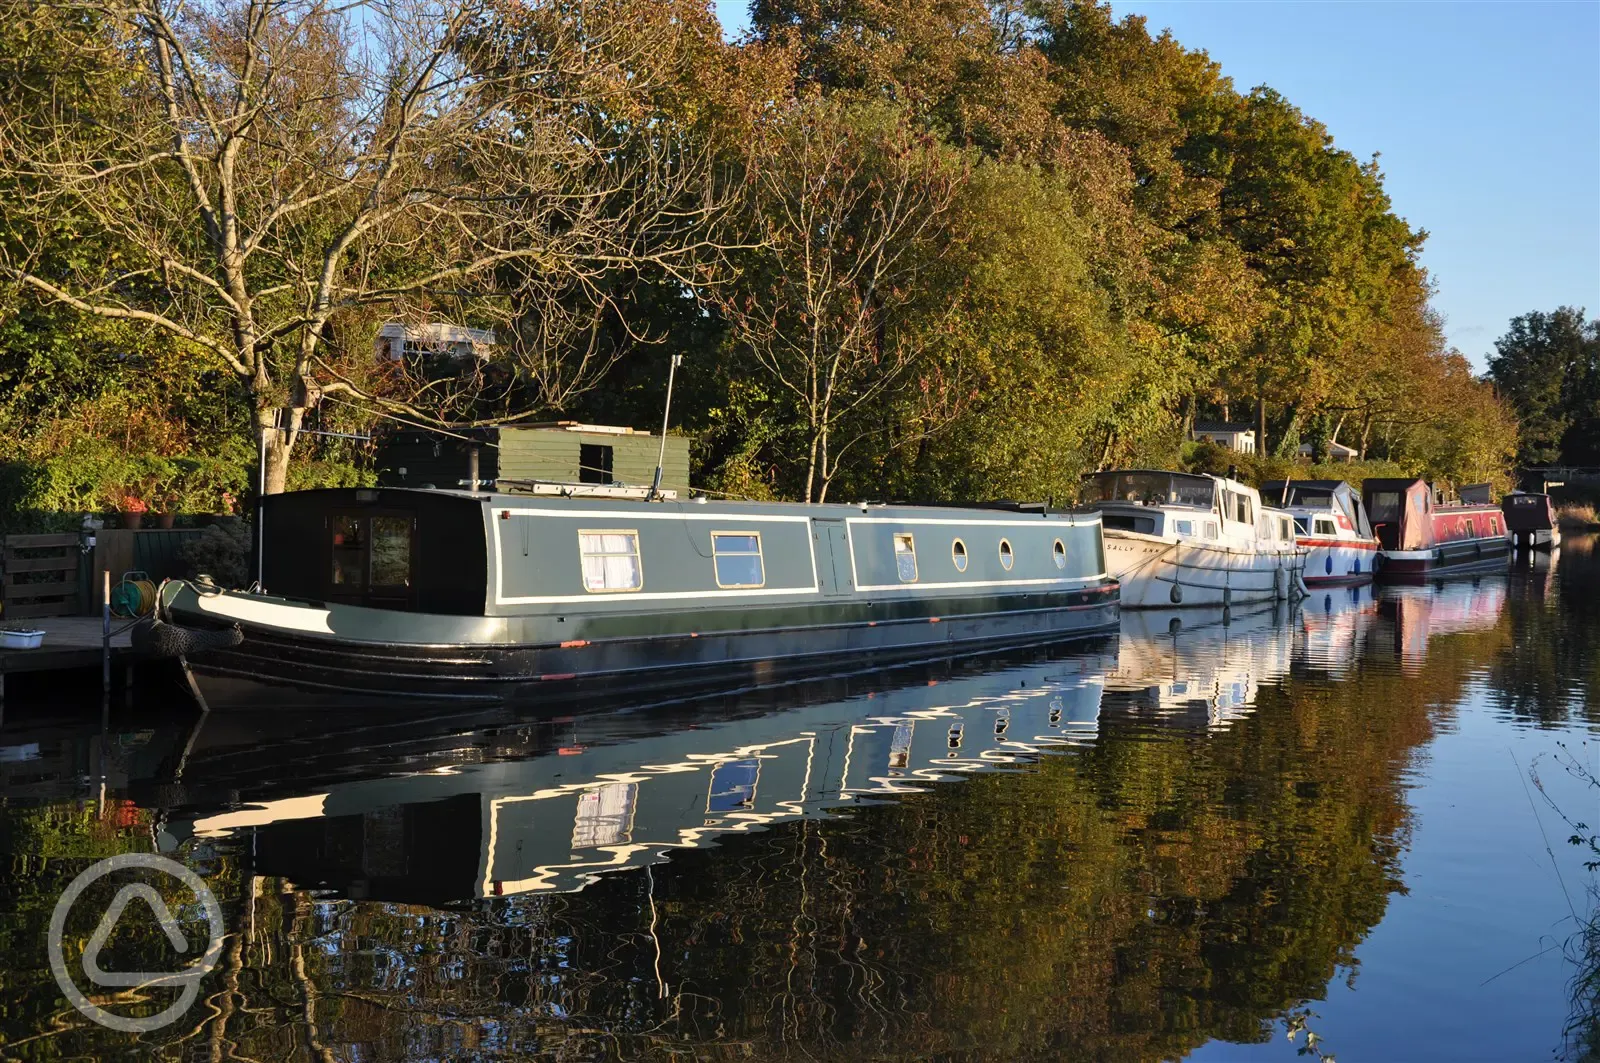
(105, 633)
(666, 417)
(261, 494)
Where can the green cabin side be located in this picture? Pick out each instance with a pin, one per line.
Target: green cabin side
(459, 553)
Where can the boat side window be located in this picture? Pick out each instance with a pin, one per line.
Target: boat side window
(1285, 528)
(737, 559)
(1385, 506)
(1472, 532)
(1303, 524)
(1007, 559)
(610, 560)
(1325, 527)
(958, 555)
(1211, 529)
(1059, 553)
(1184, 527)
(905, 557)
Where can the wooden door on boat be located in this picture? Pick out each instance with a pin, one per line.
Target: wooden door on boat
(831, 542)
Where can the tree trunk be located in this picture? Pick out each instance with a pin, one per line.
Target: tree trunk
(1261, 417)
(279, 428)
(811, 461)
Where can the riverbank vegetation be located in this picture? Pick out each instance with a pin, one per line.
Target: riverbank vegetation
(954, 250)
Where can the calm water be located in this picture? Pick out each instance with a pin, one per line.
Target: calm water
(1185, 842)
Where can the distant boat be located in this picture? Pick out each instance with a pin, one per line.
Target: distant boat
(1531, 519)
(1190, 539)
(379, 596)
(1419, 537)
(1331, 524)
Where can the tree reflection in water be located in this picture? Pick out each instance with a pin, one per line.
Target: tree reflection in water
(1132, 898)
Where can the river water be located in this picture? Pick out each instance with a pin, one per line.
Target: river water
(1348, 822)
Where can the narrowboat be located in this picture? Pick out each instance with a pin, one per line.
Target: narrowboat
(379, 596)
(1419, 537)
(1189, 539)
(1331, 525)
(1531, 519)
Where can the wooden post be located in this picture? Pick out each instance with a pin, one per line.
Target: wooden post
(105, 633)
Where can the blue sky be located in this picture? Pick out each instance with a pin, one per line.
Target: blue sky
(1487, 116)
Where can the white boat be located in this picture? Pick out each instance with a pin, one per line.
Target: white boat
(1332, 526)
(1190, 539)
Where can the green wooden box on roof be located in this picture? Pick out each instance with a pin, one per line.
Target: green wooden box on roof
(559, 451)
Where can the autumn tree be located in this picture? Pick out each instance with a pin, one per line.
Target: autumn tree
(276, 166)
(847, 208)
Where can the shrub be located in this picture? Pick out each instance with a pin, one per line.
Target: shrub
(221, 551)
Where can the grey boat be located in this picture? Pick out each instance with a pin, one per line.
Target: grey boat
(381, 596)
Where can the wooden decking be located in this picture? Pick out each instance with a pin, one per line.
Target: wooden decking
(69, 642)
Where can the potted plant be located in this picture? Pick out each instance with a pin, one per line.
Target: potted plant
(165, 502)
(132, 508)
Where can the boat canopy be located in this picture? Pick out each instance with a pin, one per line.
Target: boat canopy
(1335, 495)
(1401, 512)
(1152, 488)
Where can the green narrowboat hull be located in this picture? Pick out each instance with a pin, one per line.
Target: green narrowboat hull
(525, 619)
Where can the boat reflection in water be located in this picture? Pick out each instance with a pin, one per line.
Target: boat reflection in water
(552, 805)
(1201, 667)
(609, 800)
(1421, 614)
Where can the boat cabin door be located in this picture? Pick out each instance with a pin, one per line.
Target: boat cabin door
(830, 544)
(370, 558)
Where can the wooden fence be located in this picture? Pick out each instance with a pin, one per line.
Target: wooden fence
(40, 575)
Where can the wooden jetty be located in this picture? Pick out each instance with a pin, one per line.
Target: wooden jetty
(71, 643)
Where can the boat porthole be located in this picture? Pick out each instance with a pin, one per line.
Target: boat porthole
(958, 555)
(1327, 565)
(1007, 559)
(1059, 552)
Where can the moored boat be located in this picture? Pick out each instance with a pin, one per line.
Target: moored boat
(1331, 525)
(1191, 539)
(1531, 520)
(1419, 537)
(379, 596)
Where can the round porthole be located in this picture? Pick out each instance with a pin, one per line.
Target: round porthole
(1006, 557)
(958, 554)
(1059, 552)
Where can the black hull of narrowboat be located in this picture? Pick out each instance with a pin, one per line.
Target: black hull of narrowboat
(274, 671)
(1452, 559)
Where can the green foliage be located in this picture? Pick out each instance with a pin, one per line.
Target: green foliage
(1548, 367)
(1099, 239)
(222, 551)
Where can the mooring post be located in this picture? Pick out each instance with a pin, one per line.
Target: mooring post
(105, 633)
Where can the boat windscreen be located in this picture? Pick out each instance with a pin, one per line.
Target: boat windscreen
(1313, 499)
(1152, 488)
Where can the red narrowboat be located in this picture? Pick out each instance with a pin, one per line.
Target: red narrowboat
(1419, 537)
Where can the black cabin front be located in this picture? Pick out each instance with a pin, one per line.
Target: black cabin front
(421, 551)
